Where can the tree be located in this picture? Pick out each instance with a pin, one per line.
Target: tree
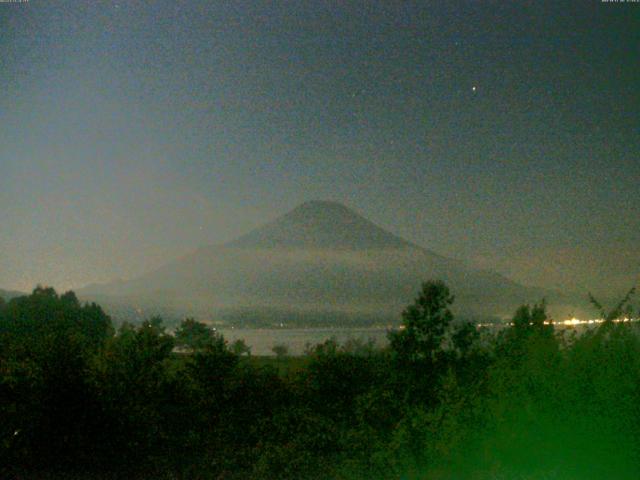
(529, 319)
(280, 350)
(622, 307)
(464, 337)
(424, 324)
(359, 347)
(132, 377)
(530, 332)
(239, 347)
(194, 335)
(29, 319)
(47, 346)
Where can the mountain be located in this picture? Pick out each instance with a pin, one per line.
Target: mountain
(8, 295)
(320, 225)
(320, 260)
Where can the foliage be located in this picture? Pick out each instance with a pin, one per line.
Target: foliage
(239, 347)
(444, 400)
(194, 335)
(280, 350)
(623, 307)
(46, 401)
(424, 323)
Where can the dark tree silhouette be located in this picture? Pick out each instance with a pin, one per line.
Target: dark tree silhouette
(194, 335)
(424, 324)
(280, 350)
(622, 307)
(240, 347)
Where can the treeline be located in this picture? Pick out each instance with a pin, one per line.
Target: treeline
(444, 400)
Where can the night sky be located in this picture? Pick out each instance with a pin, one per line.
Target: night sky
(503, 133)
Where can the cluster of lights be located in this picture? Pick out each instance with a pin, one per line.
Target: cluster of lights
(576, 321)
(571, 322)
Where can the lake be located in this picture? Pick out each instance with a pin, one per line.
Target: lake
(262, 340)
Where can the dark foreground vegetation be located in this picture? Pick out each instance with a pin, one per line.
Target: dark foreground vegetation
(443, 401)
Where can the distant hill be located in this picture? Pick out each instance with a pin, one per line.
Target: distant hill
(320, 260)
(8, 294)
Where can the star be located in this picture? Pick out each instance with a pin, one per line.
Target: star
(474, 88)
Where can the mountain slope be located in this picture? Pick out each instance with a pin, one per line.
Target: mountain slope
(320, 257)
(8, 295)
(320, 225)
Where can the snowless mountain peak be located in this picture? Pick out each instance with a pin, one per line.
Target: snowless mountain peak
(320, 224)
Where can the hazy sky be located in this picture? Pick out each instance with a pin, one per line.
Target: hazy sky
(504, 133)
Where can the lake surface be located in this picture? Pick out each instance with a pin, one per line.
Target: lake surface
(262, 340)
